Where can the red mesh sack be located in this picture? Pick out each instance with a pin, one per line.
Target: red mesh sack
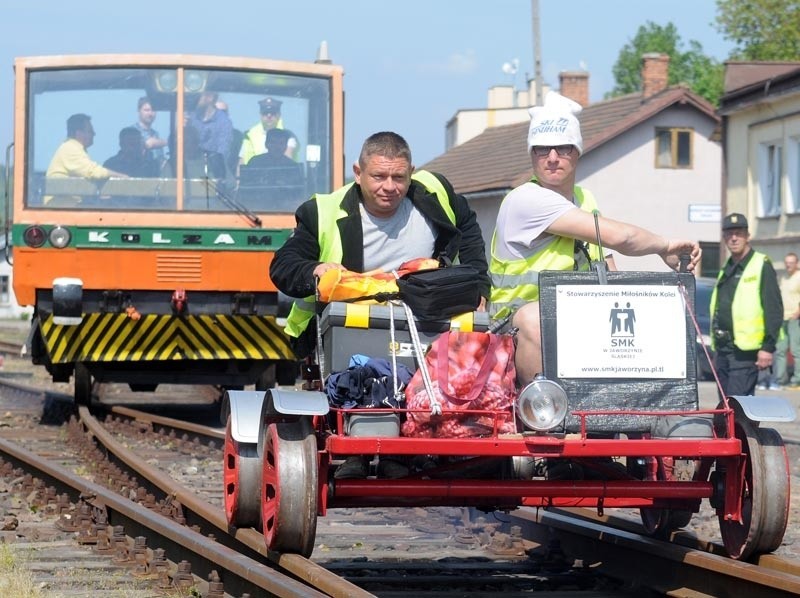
(470, 371)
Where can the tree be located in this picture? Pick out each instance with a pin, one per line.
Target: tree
(761, 29)
(703, 74)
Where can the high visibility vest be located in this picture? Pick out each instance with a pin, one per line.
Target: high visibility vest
(747, 312)
(253, 143)
(329, 212)
(516, 282)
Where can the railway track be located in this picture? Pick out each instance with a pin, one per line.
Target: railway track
(528, 548)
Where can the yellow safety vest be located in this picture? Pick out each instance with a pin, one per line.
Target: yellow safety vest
(516, 282)
(253, 143)
(747, 312)
(329, 212)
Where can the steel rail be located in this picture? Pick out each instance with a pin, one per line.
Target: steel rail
(237, 570)
(205, 432)
(211, 519)
(668, 568)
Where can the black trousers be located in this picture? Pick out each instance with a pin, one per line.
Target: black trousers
(737, 370)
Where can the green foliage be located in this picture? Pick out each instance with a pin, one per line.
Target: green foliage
(703, 74)
(761, 29)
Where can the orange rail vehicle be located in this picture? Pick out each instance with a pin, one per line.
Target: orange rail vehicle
(146, 257)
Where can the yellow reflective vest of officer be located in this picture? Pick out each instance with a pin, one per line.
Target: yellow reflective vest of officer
(330, 242)
(516, 282)
(746, 310)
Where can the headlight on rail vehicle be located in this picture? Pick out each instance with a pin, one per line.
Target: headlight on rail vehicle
(34, 236)
(60, 237)
(67, 301)
(542, 405)
(166, 80)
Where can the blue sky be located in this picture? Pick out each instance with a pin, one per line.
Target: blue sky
(409, 66)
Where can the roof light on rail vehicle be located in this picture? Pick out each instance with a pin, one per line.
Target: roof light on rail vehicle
(60, 237)
(542, 405)
(34, 236)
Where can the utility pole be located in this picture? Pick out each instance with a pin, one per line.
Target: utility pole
(537, 53)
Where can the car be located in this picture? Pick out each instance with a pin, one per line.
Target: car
(702, 304)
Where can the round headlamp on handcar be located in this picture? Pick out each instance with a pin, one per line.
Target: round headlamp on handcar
(542, 405)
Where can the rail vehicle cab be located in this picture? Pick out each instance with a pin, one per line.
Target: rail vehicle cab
(614, 421)
(146, 211)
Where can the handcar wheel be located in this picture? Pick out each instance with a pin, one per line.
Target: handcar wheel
(777, 478)
(83, 384)
(661, 522)
(764, 493)
(242, 479)
(289, 487)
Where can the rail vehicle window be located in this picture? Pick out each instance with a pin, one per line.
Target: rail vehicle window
(5, 297)
(201, 143)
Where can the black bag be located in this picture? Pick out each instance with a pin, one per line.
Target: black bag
(441, 293)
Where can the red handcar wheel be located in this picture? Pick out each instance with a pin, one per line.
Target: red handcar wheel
(765, 494)
(289, 487)
(241, 476)
(661, 522)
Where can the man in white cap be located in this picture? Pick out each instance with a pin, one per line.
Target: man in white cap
(549, 223)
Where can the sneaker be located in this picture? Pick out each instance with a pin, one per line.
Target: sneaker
(354, 467)
(775, 386)
(391, 469)
(762, 386)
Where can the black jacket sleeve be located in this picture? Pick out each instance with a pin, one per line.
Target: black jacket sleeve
(472, 249)
(292, 268)
(773, 307)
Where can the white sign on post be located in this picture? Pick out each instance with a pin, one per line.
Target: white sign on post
(620, 331)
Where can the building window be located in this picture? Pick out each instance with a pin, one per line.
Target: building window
(770, 175)
(673, 148)
(5, 284)
(793, 176)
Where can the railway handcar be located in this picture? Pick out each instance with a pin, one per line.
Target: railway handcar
(614, 421)
(163, 276)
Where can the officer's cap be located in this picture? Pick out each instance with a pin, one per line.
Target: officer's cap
(734, 220)
(270, 105)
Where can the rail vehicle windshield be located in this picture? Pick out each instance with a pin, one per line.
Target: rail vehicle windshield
(167, 139)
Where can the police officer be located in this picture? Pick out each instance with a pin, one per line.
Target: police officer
(746, 311)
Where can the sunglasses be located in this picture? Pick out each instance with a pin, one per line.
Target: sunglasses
(542, 151)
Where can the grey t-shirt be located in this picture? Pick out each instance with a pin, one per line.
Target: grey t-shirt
(388, 242)
(524, 216)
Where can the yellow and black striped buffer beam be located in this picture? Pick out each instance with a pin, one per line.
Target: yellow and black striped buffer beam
(117, 337)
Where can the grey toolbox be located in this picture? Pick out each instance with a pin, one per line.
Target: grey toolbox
(349, 329)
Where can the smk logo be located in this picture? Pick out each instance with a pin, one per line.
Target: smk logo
(622, 321)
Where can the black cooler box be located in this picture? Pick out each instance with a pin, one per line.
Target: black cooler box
(349, 329)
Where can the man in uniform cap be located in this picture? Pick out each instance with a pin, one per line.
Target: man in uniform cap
(254, 142)
(549, 223)
(746, 311)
